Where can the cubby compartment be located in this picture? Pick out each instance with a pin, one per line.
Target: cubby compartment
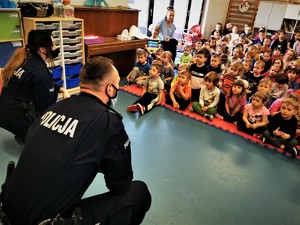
(72, 82)
(71, 25)
(68, 37)
(72, 70)
(57, 72)
(47, 26)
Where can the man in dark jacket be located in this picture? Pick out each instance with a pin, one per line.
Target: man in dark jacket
(65, 148)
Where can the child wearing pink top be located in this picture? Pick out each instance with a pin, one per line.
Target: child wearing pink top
(255, 116)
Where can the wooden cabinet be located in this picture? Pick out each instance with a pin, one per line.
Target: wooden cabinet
(108, 23)
(68, 34)
(11, 36)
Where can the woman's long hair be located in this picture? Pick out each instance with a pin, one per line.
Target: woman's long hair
(36, 39)
(17, 59)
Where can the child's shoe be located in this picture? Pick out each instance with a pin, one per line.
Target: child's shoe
(132, 108)
(128, 84)
(209, 117)
(140, 108)
(292, 151)
(191, 109)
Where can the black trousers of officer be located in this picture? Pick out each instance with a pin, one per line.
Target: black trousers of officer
(108, 209)
(16, 125)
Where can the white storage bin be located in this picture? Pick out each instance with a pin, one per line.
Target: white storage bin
(55, 33)
(71, 61)
(47, 26)
(72, 54)
(72, 40)
(68, 33)
(72, 47)
(71, 25)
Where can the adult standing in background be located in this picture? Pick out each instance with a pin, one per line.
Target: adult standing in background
(167, 27)
(28, 88)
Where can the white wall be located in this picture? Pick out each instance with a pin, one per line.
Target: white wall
(214, 11)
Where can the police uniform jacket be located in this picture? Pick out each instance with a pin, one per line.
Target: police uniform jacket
(65, 148)
(32, 81)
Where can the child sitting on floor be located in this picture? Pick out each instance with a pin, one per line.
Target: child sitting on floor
(282, 127)
(209, 97)
(141, 69)
(280, 87)
(255, 116)
(235, 102)
(180, 93)
(167, 72)
(234, 72)
(186, 56)
(152, 92)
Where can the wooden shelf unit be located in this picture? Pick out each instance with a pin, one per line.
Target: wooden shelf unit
(68, 34)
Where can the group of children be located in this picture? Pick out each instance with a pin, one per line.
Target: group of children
(254, 88)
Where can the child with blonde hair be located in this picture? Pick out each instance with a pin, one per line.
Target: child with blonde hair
(209, 97)
(180, 93)
(167, 73)
(255, 116)
(282, 127)
(186, 56)
(181, 67)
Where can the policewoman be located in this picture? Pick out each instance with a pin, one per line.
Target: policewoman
(65, 148)
(27, 85)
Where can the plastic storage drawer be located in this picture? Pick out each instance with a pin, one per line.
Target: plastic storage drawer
(72, 40)
(72, 47)
(71, 61)
(71, 25)
(56, 73)
(72, 70)
(59, 82)
(47, 26)
(68, 33)
(72, 54)
(72, 82)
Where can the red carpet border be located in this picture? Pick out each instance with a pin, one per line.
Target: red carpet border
(217, 123)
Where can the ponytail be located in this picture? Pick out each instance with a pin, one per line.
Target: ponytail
(15, 61)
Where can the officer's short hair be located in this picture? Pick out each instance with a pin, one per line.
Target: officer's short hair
(96, 69)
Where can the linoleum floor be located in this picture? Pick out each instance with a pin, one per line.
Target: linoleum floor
(198, 174)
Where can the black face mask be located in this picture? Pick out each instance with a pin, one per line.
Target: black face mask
(54, 53)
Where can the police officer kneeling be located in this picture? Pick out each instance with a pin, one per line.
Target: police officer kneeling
(65, 148)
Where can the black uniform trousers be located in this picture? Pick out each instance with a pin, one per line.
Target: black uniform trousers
(127, 209)
(18, 126)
